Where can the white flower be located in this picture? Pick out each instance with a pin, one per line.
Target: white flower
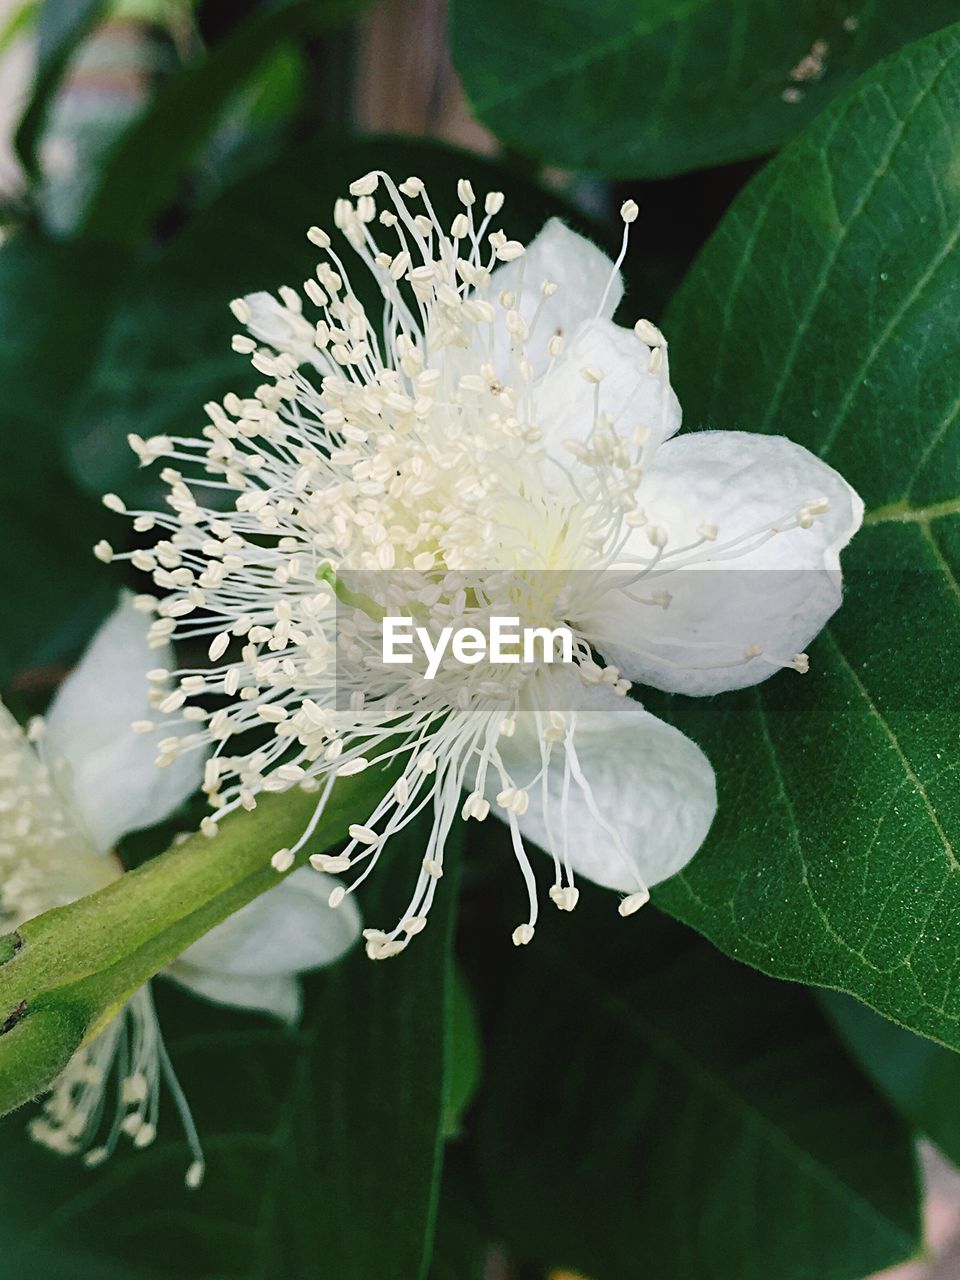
(70, 787)
(493, 443)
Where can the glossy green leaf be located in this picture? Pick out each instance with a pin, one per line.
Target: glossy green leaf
(647, 1099)
(74, 967)
(462, 1241)
(61, 26)
(466, 1057)
(384, 1084)
(645, 91)
(143, 173)
(920, 1078)
(322, 1145)
(826, 308)
(168, 350)
(54, 304)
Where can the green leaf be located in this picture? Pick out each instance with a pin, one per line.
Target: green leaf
(54, 304)
(462, 1239)
(920, 1078)
(647, 1099)
(74, 967)
(384, 1074)
(144, 171)
(466, 1057)
(62, 26)
(168, 350)
(826, 308)
(644, 91)
(322, 1145)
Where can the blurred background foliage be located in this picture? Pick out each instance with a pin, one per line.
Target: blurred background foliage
(627, 1103)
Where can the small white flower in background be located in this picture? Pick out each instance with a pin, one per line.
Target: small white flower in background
(490, 417)
(70, 787)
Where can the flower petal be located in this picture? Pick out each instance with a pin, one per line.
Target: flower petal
(276, 325)
(581, 273)
(774, 591)
(287, 930)
(279, 994)
(116, 785)
(648, 782)
(46, 860)
(633, 396)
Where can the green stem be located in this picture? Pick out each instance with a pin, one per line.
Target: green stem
(65, 974)
(352, 599)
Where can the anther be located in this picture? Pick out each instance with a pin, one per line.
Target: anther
(357, 765)
(366, 185)
(566, 898)
(282, 860)
(241, 310)
(365, 835)
(648, 333)
(331, 864)
(634, 902)
(144, 1136)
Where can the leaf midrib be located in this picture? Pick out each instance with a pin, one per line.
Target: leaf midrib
(901, 755)
(588, 56)
(830, 261)
(903, 513)
(883, 339)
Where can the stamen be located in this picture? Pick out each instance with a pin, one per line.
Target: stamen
(408, 443)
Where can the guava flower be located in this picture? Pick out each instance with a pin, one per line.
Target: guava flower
(476, 437)
(70, 787)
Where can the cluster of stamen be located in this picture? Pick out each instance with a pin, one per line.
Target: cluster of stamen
(43, 859)
(408, 451)
(47, 861)
(131, 1052)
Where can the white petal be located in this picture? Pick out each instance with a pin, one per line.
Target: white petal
(280, 994)
(777, 595)
(116, 786)
(46, 860)
(282, 329)
(630, 394)
(287, 930)
(581, 273)
(649, 782)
